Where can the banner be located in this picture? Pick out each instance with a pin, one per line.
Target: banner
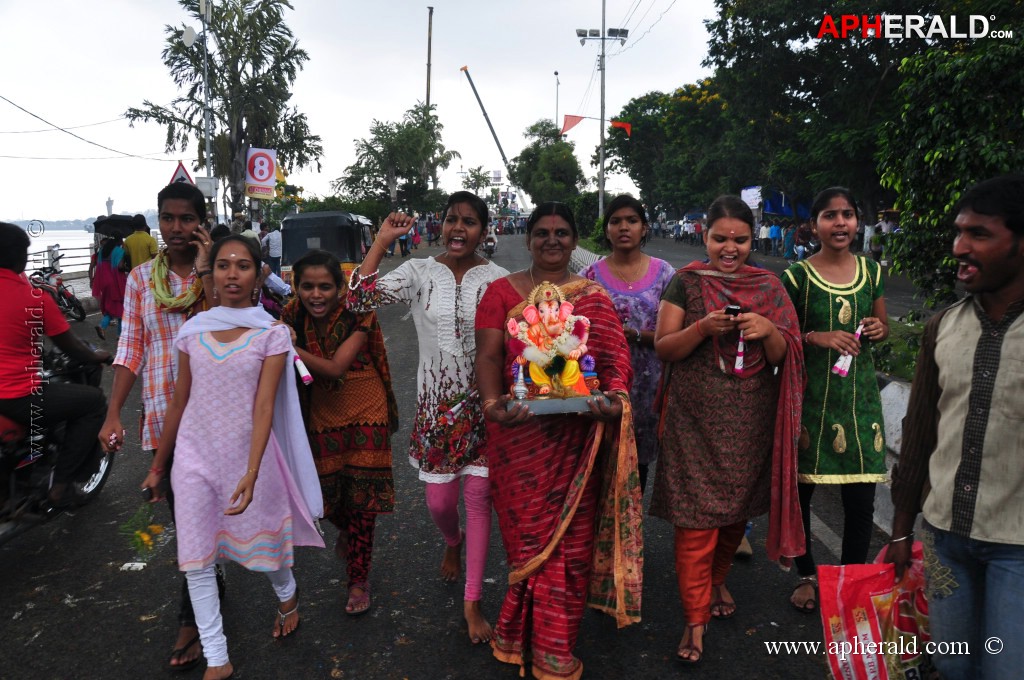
(260, 173)
(628, 127)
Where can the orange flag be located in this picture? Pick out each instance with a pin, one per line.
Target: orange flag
(570, 123)
(624, 125)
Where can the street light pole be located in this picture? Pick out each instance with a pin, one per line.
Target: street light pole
(206, 10)
(557, 83)
(600, 172)
(604, 34)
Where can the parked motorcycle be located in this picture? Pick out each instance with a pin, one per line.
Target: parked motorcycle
(50, 279)
(28, 457)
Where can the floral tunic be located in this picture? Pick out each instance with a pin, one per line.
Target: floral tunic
(448, 430)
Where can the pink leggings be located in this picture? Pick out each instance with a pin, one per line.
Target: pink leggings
(443, 504)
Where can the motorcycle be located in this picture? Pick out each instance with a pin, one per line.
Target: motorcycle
(490, 246)
(28, 456)
(50, 280)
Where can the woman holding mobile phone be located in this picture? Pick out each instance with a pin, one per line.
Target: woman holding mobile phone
(729, 455)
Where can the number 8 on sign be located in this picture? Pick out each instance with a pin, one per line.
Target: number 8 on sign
(261, 167)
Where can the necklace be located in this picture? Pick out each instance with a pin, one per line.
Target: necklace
(636, 274)
(566, 278)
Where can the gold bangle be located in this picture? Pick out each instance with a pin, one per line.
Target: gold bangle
(252, 471)
(488, 403)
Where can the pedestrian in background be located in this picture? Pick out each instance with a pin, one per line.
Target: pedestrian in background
(272, 243)
(140, 244)
(729, 426)
(842, 440)
(108, 284)
(959, 462)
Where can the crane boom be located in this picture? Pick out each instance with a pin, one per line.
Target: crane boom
(465, 69)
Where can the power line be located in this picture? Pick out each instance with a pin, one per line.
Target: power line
(651, 28)
(90, 158)
(65, 131)
(74, 127)
(629, 14)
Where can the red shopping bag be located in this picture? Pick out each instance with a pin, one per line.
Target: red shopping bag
(875, 628)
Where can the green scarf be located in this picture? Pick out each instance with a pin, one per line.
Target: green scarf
(158, 282)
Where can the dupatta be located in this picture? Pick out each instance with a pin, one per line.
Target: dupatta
(286, 426)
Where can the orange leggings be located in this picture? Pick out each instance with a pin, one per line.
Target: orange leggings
(703, 559)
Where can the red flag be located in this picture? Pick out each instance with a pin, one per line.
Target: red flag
(624, 125)
(570, 123)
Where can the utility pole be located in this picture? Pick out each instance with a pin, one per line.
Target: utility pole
(430, 35)
(600, 174)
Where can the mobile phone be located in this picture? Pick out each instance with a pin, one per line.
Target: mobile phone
(147, 494)
(732, 310)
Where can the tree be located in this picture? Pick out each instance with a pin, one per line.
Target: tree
(641, 154)
(437, 157)
(961, 121)
(394, 152)
(253, 63)
(547, 168)
(476, 180)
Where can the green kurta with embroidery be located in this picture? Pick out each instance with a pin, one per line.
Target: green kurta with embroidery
(842, 438)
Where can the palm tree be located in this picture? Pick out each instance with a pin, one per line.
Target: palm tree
(253, 63)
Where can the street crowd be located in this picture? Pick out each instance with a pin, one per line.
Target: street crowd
(748, 390)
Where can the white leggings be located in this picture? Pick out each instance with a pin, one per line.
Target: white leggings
(202, 589)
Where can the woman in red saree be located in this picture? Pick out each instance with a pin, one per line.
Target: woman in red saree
(554, 478)
(729, 424)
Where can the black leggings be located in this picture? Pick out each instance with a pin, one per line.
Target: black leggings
(858, 520)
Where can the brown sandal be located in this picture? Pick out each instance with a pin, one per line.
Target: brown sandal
(810, 605)
(726, 610)
(689, 648)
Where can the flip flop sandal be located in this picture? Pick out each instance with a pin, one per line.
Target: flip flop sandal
(690, 647)
(282, 617)
(724, 607)
(180, 652)
(359, 605)
(810, 605)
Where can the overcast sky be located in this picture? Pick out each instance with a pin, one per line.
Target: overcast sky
(77, 63)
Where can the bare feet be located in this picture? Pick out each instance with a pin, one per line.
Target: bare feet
(451, 563)
(219, 672)
(479, 629)
(287, 619)
(187, 648)
(722, 604)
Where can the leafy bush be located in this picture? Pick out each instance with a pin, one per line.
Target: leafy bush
(897, 355)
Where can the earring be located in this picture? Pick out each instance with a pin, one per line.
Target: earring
(214, 292)
(255, 294)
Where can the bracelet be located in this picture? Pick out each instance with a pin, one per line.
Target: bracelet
(488, 403)
(156, 470)
(807, 337)
(638, 338)
(252, 471)
(902, 538)
(205, 272)
(700, 331)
